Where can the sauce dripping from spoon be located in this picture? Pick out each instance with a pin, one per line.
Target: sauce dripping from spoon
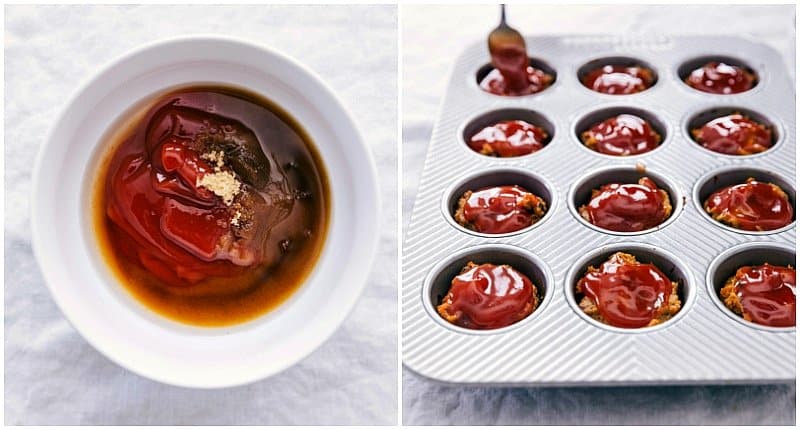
(509, 55)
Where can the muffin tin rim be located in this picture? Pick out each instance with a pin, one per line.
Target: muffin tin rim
(676, 209)
(731, 168)
(776, 122)
(460, 181)
(690, 289)
(714, 294)
(427, 285)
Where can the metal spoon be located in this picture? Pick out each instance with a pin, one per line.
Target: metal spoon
(509, 55)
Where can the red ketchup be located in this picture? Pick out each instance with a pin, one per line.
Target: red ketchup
(622, 135)
(753, 206)
(626, 207)
(499, 209)
(720, 78)
(734, 134)
(628, 295)
(173, 226)
(509, 139)
(179, 232)
(616, 79)
(767, 294)
(488, 297)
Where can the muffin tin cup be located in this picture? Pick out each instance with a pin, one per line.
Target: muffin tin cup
(615, 60)
(700, 117)
(485, 119)
(558, 345)
(748, 254)
(437, 283)
(732, 175)
(675, 269)
(499, 176)
(535, 62)
(581, 190)
(595, 115)
(689, 64)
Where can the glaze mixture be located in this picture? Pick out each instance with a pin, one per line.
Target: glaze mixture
(753, 206)
(625, 293)
(763, 294)
(734, 134)
(511, 138)
(622, 135)
(618, 79)
(211, 206)
(487, 296)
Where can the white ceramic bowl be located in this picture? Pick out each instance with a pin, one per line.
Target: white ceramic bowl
(90, 296)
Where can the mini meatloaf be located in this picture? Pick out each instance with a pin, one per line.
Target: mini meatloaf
(622, 135)
(734, 134)
(486, 296)
(720, 78)
(752, 206)
(625, 293)
(627, 207)
(511, 138)
(762, 294)
(619, 79)
(502, 209)
(496, 83)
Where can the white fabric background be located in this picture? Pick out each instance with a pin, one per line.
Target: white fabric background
(52, 376)
(433, 36)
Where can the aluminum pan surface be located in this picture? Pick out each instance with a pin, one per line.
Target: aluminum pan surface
(559, 347)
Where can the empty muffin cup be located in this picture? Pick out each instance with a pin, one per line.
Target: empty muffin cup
(748, 254)
(733, 175)
(669, 264)
(438, 282)
(581, 192)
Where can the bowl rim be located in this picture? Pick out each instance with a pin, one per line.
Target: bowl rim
(371, 190)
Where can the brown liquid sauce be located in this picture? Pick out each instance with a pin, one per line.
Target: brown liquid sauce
(753, 206)
(616, 79)
(509, 139)
(721, 78)
(627, 207)
(734, 134)
(628, 295)
(193, 255)
(488, 297)
(767, 294)
(622, 135)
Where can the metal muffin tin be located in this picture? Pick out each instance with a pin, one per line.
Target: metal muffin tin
(559, 345)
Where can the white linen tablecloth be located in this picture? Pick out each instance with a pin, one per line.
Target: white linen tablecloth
(52, 376)
(432, 38)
